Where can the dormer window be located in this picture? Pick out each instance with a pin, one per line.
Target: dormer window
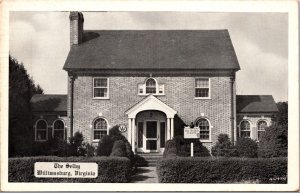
(151, 86)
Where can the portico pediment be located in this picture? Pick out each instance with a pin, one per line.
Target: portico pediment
(151, 103)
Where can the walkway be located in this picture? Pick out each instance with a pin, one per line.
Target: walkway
(145, 175)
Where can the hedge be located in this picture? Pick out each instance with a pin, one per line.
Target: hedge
(110, 169)
(222, 170)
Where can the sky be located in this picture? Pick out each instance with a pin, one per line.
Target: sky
(40, 40)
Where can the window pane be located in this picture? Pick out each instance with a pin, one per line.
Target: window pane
(202, 92)
(100, 124)
(162, 134)
(100, 82)
(99, 134)
(41, 125)
(59, 124)
(100, 92)
(151, 82)
(203, 125)
(260, 133)
(245, 133)
(41, 134)
(261, 125)
(140, 134)
(202, 82)
(59, 134)
(245, 125)
(150, 90)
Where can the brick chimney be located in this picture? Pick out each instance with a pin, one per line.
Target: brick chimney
(76, 27)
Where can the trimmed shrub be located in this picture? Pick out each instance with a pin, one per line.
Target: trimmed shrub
(170, 149)
(110, 169)
(223, 147)
(246, 147)
(105, 146)
(222, 170)
(183, 148)
(119, 149)
(76, 144)
(274, 142)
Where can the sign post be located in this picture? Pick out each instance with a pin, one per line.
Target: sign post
(192, 133)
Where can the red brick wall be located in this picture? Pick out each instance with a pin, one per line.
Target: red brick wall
(179, 95)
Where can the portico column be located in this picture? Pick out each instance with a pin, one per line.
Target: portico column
(133, 135)
(129, 131)
(172, 127)
(168, 129)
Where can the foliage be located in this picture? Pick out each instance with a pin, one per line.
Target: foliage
(110, 169)
(119, 149)
(281, 118)
(223, 147)
(106, 143)
(170, 149)
(21, 89)
(183, 147)
(273, 142)
(246, 147)
(105, 146)
(222, 170)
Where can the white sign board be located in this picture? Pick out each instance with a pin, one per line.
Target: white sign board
(122, 128)
(65, 170)
(191, 133)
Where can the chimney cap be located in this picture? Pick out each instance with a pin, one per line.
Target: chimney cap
(75, 15)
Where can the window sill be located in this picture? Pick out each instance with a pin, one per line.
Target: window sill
(95, 140)
(100, 98)
(202, 98)
(205, 141)
(162, 94)
(41, 140)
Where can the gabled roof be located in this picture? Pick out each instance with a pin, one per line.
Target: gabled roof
(255, 104)
(150, 103)
(153, 49)
(49, 102)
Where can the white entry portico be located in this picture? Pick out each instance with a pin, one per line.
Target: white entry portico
(152, 129)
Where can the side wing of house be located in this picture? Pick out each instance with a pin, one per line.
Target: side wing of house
(254, 113)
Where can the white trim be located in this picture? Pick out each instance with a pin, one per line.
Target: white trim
(107, 126)
(209, 88)
(157, 86)
(100, 87)
(210, 127)
(35, 130)
(59, 129)
(151, 103)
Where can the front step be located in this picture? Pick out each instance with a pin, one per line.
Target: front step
(144, 160)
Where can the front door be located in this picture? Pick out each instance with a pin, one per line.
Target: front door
(151, 136)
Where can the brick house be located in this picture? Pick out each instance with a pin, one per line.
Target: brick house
(154, 82)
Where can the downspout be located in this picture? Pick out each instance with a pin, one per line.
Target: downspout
(232, 79)
(71, 104)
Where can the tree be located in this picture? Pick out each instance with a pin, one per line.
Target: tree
(281, 118)
(21, 89)
(274, 141)
(223, 147)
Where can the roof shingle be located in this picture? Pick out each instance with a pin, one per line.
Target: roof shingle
(255, 104)
(49, 102)
(154, 49)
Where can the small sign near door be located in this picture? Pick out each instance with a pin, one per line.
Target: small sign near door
(122, 128)
(191, 133)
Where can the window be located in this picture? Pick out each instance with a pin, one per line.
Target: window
(100, 128)
(41, 130)
(59, 129)
(261, 127)
(151, 87)
(245, 129)
(202, 88)
(204, 127)
(100, 89)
